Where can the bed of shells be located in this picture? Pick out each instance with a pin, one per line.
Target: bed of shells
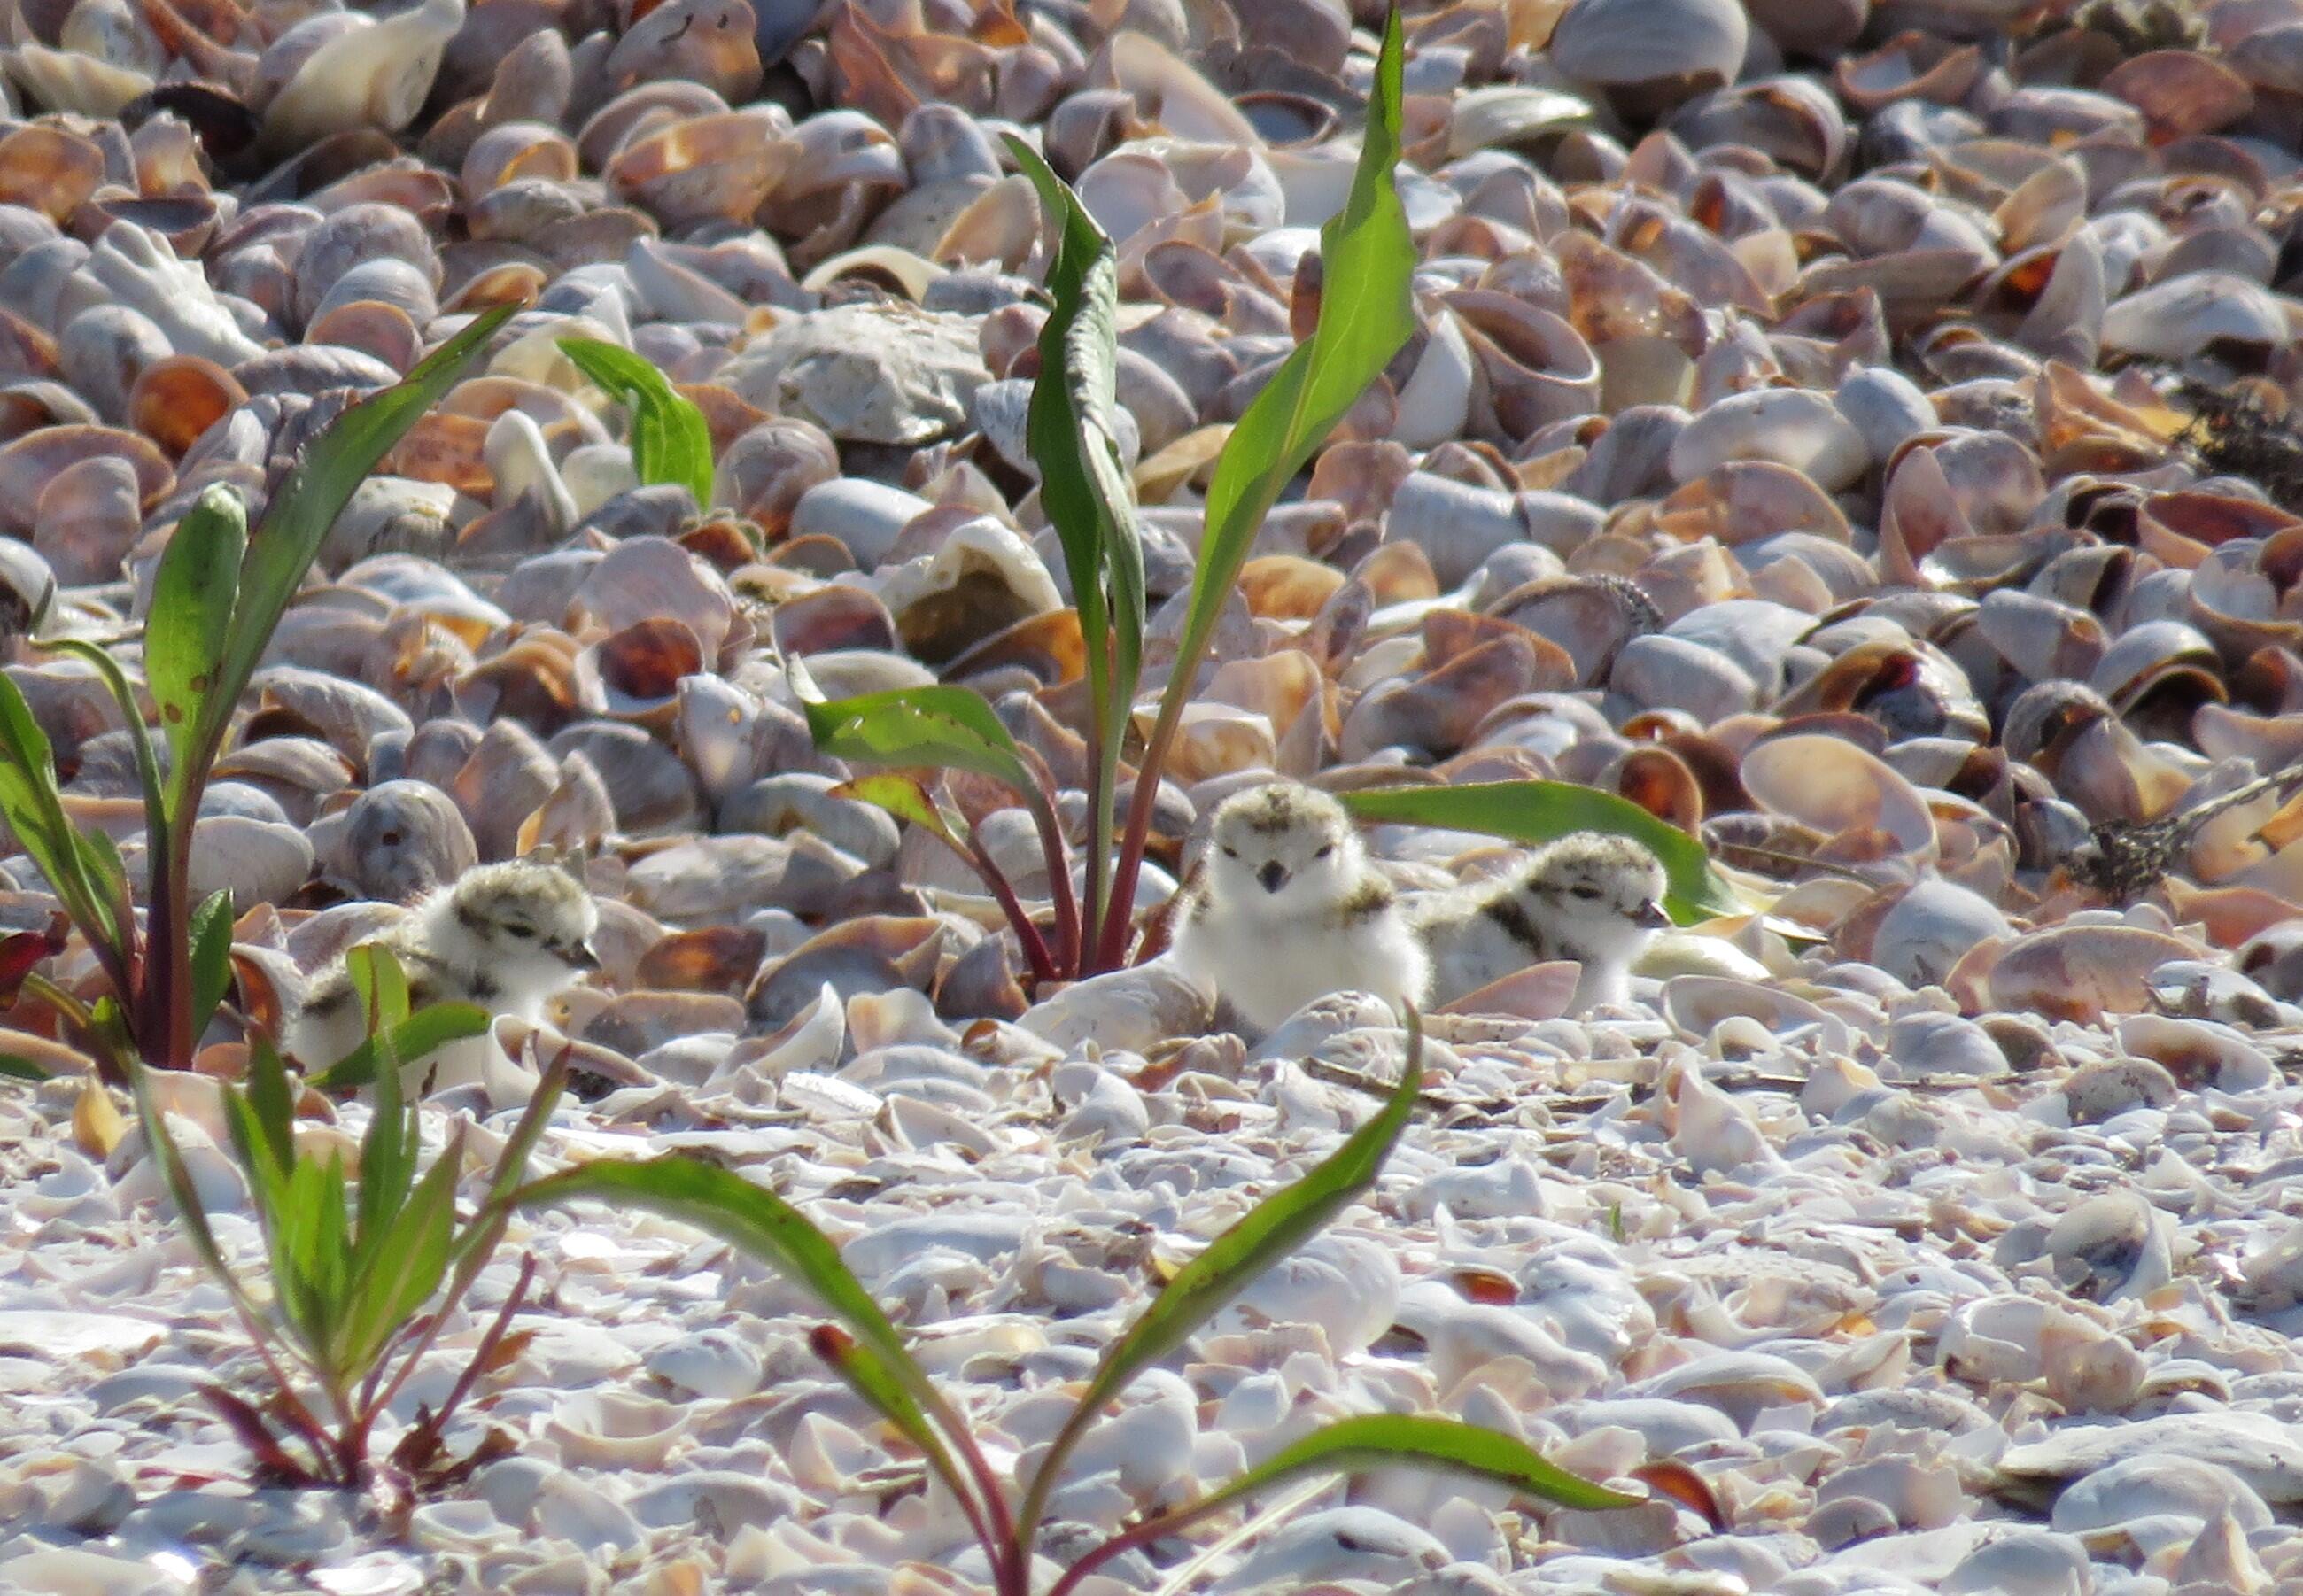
(1854, 429)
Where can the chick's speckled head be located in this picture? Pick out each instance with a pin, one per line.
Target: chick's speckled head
(1608, 890)
(1603, 888)
(524, 913)
(1282, 848)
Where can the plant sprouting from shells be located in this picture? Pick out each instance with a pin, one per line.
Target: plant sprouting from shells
(1361, 314)
(868, 1351)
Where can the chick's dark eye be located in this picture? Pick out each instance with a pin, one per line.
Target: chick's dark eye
(1587, 894)
(1325, 849)
(1231, 853)
(521, 931)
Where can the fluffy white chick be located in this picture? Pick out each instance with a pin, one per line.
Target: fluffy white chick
(1288, 909)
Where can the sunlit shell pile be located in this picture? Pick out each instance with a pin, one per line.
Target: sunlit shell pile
(1856, 432)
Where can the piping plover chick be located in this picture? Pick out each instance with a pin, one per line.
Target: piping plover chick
(1590, 897)
(1287, 908)
(506, 937)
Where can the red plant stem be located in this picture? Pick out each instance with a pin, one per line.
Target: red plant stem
(167, 948)
(1156, 1528)
(1098, 859)
(1111, 942)
(1018, 1563)
(995, 1500)
(1036, 947)
(489, 1342)
(1071, 950)
(456, 1291)
(298, 1416)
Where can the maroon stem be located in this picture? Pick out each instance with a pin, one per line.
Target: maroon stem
(168, 948)
(1071, 950)
(1036, 947)
(481, 1355)
(1119, 917)
(1156, 1528)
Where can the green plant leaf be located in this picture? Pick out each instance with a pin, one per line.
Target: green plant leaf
(16, 1068)
(511, 1163)
(414, 1039)
(1261, 1238)
(380, 984)
(313, 1250)
(398, 1266)
(948, 728)
(191, 1212)
(1448, 1446)
(1357, 1445)
(757, 1223)
(211, 930)
(295, 521)
(1074, 440)
(1367, 313)
(271, 1099)
(193, 595)
(878, 1383)
(139, 736)
(671, 441)
(107, 877)
(31, 804)
(907, 799)
(1533, 812)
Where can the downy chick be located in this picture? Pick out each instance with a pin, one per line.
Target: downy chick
(1288, 909)
(505, 937)
(1590, 897)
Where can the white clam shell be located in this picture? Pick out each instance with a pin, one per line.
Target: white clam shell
(373, 76)
(2175, 319)
(1637, 41)
(1794, 426)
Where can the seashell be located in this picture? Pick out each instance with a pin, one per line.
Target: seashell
(653, 578)
(1792, 426)
(1132, 1010)
(373, 76)
(1619, 42)
(708, 42)
(1506, 116)
(2100, 1507)
(1840, 790)
(30, 462)
(87, 518)
(1931, 928)
(1791, 120)
(609, 1430)
(879, 373)
(256, 861)
(648, 786)
(2176, 318)
(1911, 65)
(1886, 408)
(633, 673)
(2252, 1446)
(982, 578)
(1458, 527)
(1168, 91)
(720, 165)
(141, 271)
(175, 400)
(2082, 972)
(74, 83)
(401, 839)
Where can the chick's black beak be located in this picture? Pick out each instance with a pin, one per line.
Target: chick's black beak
(1651, 916)
(583, 956)
(1273, 875)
